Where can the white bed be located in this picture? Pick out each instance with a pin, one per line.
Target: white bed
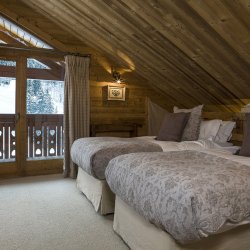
(92, 156)
(98, 192)
(140, 234)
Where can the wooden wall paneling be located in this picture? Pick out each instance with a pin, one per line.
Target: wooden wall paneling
(8, 170)
(174, 40)
(161, 54)
(132, 110)
(218, 98)
(185, 82)
(215, 44)
(190, 45)
(160, 80)
(151, 39)
(44, 167)
(223, 19)
(240, 10)
(186, 52)
(100, 43)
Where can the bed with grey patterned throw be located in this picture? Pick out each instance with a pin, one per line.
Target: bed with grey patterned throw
(189, 194)
(94, 153)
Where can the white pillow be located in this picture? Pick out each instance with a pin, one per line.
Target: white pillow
(209, 129)
(225, 131)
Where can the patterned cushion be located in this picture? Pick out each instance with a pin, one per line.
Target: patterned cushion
(172, 127)
(245, 149)
(192, 129)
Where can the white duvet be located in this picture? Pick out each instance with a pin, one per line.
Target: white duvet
(200, 145)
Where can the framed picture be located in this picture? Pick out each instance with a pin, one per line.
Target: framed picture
(116, 93)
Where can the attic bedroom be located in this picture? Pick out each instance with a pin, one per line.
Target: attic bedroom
(125, 124)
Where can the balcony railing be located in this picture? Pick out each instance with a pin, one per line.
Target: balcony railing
(45, 136)
(7, 137)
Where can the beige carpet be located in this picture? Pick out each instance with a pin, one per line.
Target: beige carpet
(48, 212)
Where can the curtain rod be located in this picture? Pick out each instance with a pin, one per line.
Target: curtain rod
(49, 51)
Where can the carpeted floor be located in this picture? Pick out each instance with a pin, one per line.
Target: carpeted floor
(49, 213)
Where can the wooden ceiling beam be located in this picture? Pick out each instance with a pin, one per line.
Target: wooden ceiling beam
(32, 28)
(43, 74)
(13, 52)
(9, 39)
(55, 68)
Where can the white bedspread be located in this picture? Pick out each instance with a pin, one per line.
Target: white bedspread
(200, 145)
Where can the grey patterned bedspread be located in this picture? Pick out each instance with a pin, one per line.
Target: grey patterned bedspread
(189, 194)
(94, 153)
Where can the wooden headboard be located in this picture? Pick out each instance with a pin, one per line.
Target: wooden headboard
(239, 118)
(121, 130)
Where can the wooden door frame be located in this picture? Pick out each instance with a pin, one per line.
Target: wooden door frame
(21, 135)
(22, 166)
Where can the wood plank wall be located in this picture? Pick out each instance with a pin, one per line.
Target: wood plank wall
(132, 110)
(214, 112)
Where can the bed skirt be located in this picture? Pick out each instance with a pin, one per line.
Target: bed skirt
(97, 192)
(140, 234)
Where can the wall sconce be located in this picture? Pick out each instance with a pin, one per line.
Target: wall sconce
(117, 77)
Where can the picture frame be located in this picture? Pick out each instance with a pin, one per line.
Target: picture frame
(116, 93)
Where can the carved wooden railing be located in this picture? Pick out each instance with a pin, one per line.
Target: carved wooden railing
(45, 136)
(7, 137)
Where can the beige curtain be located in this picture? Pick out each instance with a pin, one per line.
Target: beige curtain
(76, 107)
(155, 117)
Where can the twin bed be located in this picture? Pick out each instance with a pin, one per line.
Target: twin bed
(191, 195)
(166, 199)
(93, 154)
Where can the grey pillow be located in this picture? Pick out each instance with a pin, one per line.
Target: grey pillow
(192, 129)
(172, 127)
(245, 149)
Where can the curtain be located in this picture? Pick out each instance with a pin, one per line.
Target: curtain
(155, 118)
(76, 107)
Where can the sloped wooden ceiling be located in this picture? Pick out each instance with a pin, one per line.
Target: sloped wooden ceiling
(194, 51)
